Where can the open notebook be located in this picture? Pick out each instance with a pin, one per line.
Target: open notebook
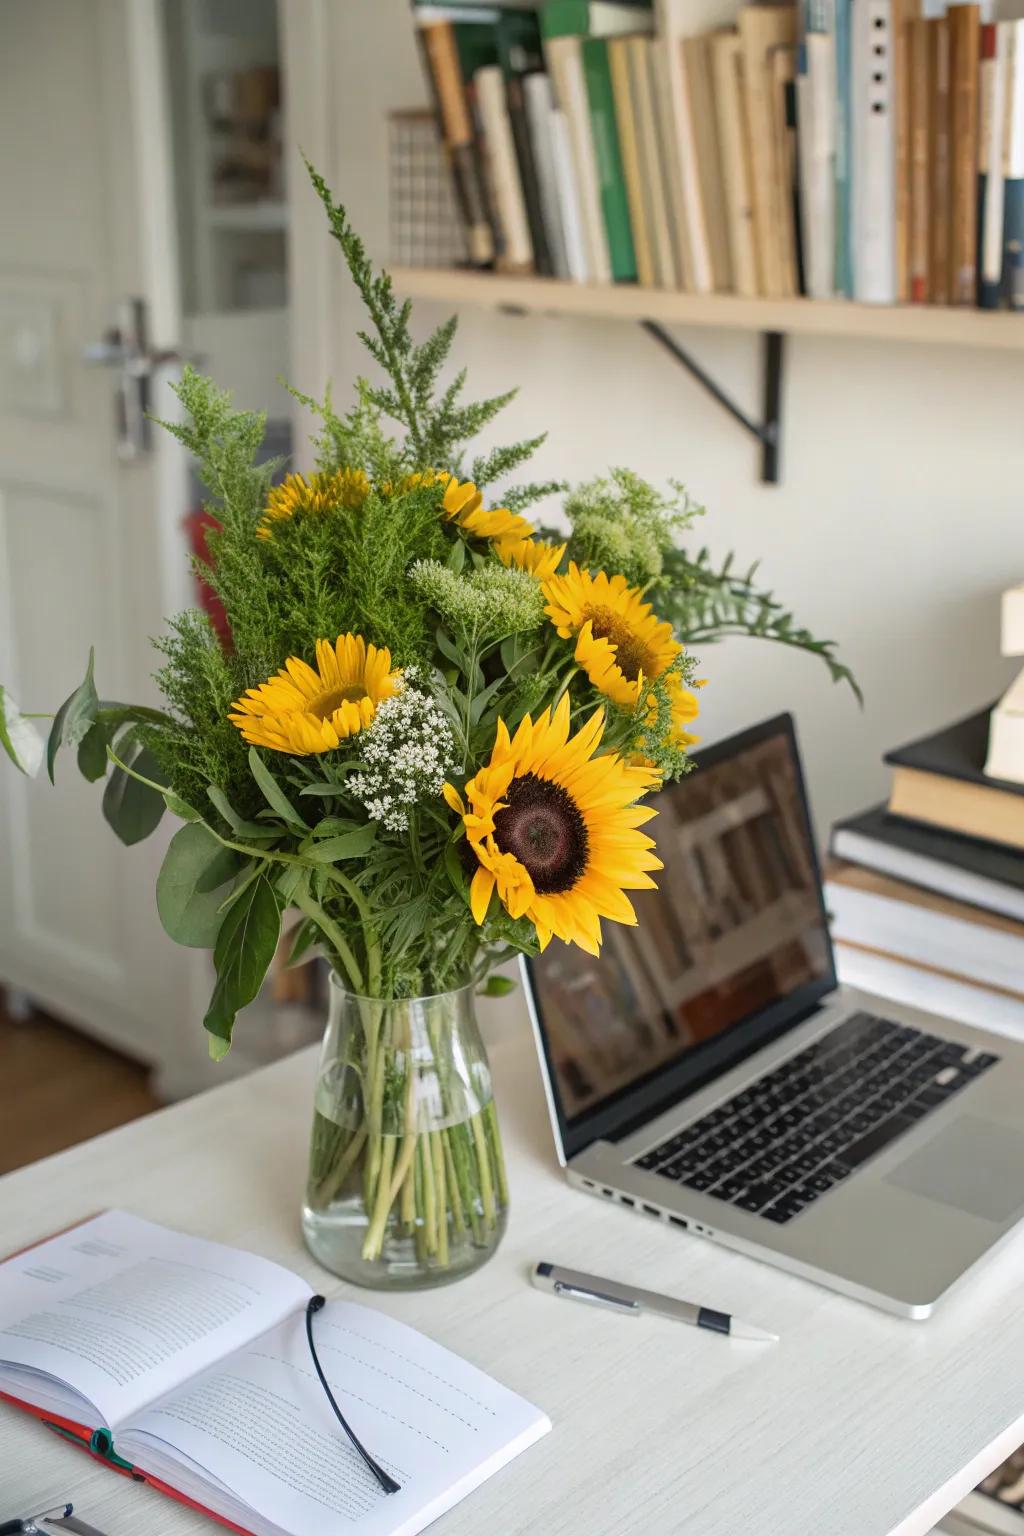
(187, 1362)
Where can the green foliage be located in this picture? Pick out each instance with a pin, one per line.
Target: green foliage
(242, 954)
(622, 523)
(360, 838)
(73, 720)
(706, 602)
(19, 737)
(436, 422)
(482, 606)
(193, 884)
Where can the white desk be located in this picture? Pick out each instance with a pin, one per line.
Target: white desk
(856, 1424)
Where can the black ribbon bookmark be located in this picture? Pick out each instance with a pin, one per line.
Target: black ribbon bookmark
(386, 1482)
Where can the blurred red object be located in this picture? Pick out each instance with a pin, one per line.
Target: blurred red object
(197, 524)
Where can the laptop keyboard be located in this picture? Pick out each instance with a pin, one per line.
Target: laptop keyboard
(793, 1135)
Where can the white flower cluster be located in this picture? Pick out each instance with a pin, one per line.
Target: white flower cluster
(409, 751)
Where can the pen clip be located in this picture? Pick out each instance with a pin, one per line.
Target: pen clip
(596, 1298)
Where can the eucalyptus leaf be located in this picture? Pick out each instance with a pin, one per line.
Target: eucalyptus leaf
(74, 718)
(179, 807)
(190, 887)
(242, 955)
(19, 737)
(132, 809)
(348, 846)
(92, 752)
(272, 792)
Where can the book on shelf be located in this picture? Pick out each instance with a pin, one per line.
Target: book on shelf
(521, 59)
(730, 109)
(979, 874)
(444, 74)
(643, 76)
(1013, 166)
(991, 118)
(540, 110)
(965, 65)
(608, 158)
(185, 1364)
(870, 149)
(941, 780)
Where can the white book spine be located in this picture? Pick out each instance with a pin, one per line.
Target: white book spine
(539, 112)
(816, 115)
(501, 151)
(694, 254)
(565, 59)
(917, 988)
(569, 198)
(874, 153)
(993, 115)
(1013, 136)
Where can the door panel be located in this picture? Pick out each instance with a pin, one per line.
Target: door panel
(83, 558)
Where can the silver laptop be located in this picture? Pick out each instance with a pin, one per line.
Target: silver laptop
(707, 1071)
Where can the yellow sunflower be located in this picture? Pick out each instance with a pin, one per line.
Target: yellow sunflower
(464, 504)
(301, 711)
(555, 829)
(534, 555)
(619, 642)
(684, 709)
(323, 492)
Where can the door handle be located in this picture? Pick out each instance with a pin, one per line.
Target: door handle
(125, 346)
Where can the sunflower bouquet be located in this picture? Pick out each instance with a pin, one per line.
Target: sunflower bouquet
(421, 749)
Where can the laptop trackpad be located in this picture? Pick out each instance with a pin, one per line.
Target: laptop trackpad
(973, 1165)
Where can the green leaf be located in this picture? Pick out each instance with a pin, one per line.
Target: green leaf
(457, 558)
(132, 809)
(238, 824)
(92, 752)
(242, 955)
(19, 737)
(481, 700)
(454, 867)
(446, 645)
(331, 826)
(303, 937)
(190, 886)
(496, 986)
(348, 846)
(74, 718)
(292, 879)
(180, 808)
(272, 792)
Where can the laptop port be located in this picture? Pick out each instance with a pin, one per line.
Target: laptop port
(679, 1221)
(609, 1192)
(652, 1210)
(627, 1200)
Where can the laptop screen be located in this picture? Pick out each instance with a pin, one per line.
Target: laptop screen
(727, 949)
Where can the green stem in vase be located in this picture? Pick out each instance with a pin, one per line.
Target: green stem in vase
(497, 1152)
(429, 1195)
(437, 1155)
(452, 1185)
(483, 1161)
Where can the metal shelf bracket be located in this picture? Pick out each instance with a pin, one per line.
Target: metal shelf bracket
(767, 431)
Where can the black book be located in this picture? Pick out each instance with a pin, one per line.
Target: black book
(964, 868)
(957, 752)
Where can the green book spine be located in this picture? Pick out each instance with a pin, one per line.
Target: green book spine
(614, 203)
(565, 18)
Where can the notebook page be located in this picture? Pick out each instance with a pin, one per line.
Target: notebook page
(123, 1310)
(260, 1423)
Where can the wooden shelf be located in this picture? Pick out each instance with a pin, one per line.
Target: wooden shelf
(935, 326)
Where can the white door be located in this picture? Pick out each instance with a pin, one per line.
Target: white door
(91, 541)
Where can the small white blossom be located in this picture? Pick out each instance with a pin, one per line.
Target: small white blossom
(409, 751)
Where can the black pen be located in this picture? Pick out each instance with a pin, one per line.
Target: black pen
(576, 1286)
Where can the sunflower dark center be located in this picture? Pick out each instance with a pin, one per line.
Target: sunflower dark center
(542, 827)
(631, 655)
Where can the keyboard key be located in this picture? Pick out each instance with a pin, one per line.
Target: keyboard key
(650, 1159)
(700, 1180)
(755, 1197)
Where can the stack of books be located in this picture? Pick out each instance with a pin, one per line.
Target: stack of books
(830, 148)
(926, 893)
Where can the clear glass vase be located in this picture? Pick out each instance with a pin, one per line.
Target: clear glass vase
(407, 1183)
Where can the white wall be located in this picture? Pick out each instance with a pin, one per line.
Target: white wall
(898, 519)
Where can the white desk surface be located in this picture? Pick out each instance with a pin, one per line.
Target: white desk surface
(855, 1424)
